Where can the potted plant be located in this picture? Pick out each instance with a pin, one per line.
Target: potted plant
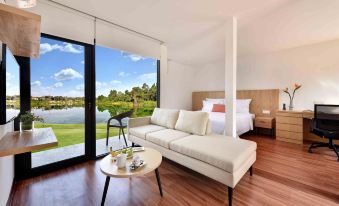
(291, 96)
(27, 121)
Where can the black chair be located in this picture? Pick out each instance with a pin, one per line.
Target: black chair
(118, 123)
(326, 124)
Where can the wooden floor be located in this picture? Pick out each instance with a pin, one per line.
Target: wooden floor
(284, 174)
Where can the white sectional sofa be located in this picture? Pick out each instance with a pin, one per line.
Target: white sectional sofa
(184, 137)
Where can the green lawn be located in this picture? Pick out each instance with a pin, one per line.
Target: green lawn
(70, 134)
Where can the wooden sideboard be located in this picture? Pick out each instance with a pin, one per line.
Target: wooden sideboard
(294, 127)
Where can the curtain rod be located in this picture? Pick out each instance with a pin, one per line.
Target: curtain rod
(109, 22)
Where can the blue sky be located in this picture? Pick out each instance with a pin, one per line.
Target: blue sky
(12, 75)
(59, 71)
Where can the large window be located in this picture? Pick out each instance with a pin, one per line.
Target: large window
(124, 82)
(57, 90)
(63, 90)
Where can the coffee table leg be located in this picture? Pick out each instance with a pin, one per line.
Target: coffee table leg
(158, 180)
(105, 191)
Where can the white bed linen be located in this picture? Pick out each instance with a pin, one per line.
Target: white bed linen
(244, 122)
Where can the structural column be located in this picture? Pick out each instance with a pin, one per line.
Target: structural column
(230, 76)
(163, 74)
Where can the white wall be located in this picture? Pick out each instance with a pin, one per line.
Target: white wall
(6, 169)
(177, 86)
(315, 66)
(210, 77)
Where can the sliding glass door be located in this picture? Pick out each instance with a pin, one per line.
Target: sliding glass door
(124, 82)
(57, 96)
(76, 88)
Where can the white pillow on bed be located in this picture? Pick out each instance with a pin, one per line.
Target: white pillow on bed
(243, 105)
(207, 106)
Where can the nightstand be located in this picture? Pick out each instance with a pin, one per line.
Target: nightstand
(264, 122)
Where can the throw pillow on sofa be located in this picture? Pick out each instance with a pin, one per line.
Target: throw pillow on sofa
(192, 122)
(165, 117)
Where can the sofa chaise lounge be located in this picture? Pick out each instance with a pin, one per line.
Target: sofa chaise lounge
(184, 137)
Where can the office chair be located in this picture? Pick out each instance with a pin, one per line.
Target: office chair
(326, 124)
(118, 123)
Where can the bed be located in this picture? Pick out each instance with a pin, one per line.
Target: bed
(244, 122)
(261, 100)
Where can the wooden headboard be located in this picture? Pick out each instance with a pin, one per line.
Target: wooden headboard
(267, 99)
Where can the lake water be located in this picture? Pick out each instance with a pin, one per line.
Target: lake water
(74, 115)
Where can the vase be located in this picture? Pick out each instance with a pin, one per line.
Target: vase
(26, 126)
(290, 107)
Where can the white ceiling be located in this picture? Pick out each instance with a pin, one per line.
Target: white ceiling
(295, 24)
(193, 29)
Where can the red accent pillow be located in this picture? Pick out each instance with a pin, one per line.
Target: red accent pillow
(218, 108)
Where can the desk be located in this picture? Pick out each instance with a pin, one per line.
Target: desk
(293, 126)
(21, 142)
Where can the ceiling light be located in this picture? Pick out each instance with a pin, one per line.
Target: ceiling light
(26, 3)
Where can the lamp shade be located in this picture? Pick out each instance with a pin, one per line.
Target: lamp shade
(26, 3)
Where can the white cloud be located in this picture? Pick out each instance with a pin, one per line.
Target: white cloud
(100, 85)
(133, 57)
(9, 76)
(67, 74)
(115, 82)
(12, 90)
(148, 77)
(123, 74)
(70, 48)
(39, 90)
(82, 62)
(65, 47)
(104, 88)
(36, 84)
(58, 84)
(46, 47)
(77, 92)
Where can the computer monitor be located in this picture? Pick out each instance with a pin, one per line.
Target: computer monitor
(326, 117)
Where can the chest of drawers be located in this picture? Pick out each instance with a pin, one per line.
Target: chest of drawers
(289, 126)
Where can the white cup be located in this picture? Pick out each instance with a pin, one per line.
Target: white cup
(136, 160)
(121, 160)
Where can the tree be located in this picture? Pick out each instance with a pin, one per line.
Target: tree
(101, 98)
(136, 94)
(112, 94)
(153, 93)
(145, 90)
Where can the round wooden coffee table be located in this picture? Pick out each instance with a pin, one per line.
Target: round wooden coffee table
(152, 158)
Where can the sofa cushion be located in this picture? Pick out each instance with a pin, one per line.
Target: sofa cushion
(209, 127)
(143, 130)
(165, 117)
(192, 122)
(226, 153)
(164, 137)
